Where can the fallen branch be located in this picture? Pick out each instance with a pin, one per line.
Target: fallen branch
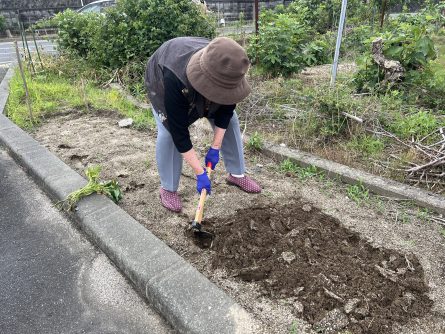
(433, 163)
(355, 118)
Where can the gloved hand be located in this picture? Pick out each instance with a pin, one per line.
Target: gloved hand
(203, 182)
(212, 157)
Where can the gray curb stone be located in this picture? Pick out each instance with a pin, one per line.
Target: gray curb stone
(375, 184)
(187, 299)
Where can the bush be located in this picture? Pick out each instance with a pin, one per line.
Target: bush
(278, 48)
(132, 30)
(417, 125)
(75, 31)
(411, 45)
(318, 52)
(324, 15)
(2, 23)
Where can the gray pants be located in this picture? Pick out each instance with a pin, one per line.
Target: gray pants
(169, 160)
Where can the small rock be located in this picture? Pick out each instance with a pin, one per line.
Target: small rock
(401, 271)
(252, 226)
(260, 165)
(125, 123)
(298, 307)
(351, 304)
(283, 145)
(293, 233)
(362, 311)
(334, 321)
(288, 257)
(307, 208)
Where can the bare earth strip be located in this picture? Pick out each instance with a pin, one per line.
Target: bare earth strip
(127, 155)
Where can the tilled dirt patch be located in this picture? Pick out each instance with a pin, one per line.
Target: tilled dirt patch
(328, 273)
(127, 155)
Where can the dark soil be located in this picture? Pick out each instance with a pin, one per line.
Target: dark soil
(334, 279)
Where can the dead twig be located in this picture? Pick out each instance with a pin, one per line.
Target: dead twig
(333, 295)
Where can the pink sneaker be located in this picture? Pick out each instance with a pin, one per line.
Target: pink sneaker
(245, 183)
(170, 200)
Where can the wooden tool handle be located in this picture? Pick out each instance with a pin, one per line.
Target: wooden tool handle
(202, 198)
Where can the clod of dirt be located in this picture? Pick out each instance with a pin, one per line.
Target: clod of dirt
(307, 208)
(334, 321)
(341, 280)
(351, 304)
(298, 307)
(288, 257)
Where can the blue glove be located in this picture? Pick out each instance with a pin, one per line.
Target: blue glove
(203, 182)
(212, 157)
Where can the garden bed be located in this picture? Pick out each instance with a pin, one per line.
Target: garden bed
(296, 255)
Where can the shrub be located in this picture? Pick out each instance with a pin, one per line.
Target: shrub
(2, 23)
(417, 125)
(132, 30)
(318, 52)
(278, 48)
(324, 14)
(411, 45)
(75, 31)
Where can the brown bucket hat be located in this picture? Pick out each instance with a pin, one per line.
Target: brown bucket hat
(218, 71)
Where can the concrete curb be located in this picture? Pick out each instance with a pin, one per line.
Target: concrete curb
(375, 184)
(186, 299)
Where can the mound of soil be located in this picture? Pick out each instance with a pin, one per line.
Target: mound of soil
(334, 279)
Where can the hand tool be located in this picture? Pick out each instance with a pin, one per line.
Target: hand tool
(196, 223)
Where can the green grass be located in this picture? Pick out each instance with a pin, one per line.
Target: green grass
(255, 142)
(51, 94)
(358, 192)
(303, 173)
(367, 145)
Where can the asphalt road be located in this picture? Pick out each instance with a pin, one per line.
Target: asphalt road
(52, 279)
(8, 53)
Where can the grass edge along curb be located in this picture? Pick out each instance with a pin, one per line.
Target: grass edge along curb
(376, 184)
(182, 295)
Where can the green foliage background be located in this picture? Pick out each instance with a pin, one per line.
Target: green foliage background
(130, 31)
(2, 23)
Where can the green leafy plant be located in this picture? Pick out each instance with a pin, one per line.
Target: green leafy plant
(108, 188)
(409, 44)
(317, 52)
(415, 125)
(289, 167)
(357, 192)
(367, 145)
(293, 328)
(255, 142)
(278, 48)
(2, 23)
(130, 31)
